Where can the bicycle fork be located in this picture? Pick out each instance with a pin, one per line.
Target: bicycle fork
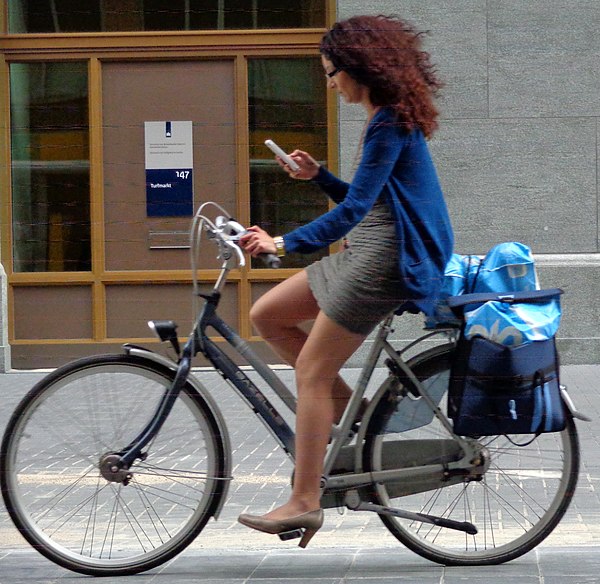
(115, 466)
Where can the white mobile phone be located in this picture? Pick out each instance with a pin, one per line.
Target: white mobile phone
(279, 152)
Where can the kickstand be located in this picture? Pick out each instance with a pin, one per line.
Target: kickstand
(354, 502)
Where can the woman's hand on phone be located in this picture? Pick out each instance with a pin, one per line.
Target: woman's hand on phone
(256, 241)
(309, 167)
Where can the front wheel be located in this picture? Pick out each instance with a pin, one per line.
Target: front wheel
(65, 506)
(515, 505)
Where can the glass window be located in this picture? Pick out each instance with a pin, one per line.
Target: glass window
(48, 16)
(41, 16)
(287, 103)
(50, 167)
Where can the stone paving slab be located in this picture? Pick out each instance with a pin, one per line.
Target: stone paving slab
(546, 565)
(352, 548)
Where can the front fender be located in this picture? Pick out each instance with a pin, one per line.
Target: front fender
(210, 402)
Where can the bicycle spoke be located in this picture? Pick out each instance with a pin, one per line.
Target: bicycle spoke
(63, 503)
(60, 497)
(161, 494)
(92, 520)
(177, 475)
(522, 492)
(134, 522)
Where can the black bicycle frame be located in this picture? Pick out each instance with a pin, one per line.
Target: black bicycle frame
(246, 387)
(199, 342)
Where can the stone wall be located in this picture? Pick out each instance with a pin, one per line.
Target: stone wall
(517, 151)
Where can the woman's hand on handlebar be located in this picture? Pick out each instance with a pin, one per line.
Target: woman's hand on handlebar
(257, 241)
(309, 167)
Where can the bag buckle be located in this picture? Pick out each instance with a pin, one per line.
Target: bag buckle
(508, 298)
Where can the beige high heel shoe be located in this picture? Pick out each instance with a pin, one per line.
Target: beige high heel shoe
(304, 525)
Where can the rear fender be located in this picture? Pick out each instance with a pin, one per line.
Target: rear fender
(571, 406)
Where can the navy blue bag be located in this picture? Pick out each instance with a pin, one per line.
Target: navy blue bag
(497, 389)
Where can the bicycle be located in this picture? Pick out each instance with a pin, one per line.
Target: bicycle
(113, 464)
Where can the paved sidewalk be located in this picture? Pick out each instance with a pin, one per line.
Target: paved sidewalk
(354, 548)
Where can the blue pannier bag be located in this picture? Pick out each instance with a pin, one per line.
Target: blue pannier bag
(506, 267)
(455, 282)
(507, 387)
(514, 323)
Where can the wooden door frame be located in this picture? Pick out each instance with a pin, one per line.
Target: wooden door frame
(97, 48)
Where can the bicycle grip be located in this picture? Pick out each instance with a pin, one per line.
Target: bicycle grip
(270, 260)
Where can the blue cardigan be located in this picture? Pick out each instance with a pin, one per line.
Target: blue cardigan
(397, 164)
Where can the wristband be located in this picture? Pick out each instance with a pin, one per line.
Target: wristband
(279, 246)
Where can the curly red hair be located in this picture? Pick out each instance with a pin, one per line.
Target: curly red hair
(385, 54)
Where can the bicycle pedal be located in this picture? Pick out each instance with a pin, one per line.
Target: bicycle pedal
(287, 535)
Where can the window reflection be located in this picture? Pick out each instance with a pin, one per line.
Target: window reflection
(287, 104)
(55, 16)
(50, 167)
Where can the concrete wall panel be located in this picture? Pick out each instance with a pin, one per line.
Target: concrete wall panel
(544, 58)
(518, 147)
(532, 180)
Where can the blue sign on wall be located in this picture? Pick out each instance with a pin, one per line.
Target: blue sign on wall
(169, 193)
(169, 169)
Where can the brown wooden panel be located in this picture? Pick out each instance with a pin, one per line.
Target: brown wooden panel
(260, 288)
(129, 308)
(133, 93)
(52, 312)
(36, 355)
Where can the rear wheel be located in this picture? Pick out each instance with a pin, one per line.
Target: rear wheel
(518, 501)
(56, 488)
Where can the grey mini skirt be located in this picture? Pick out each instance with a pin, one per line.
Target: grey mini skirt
(359, 286)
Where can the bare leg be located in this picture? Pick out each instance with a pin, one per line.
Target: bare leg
(277, 316)
(325, 351)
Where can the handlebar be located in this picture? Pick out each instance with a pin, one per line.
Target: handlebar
(234, 231)
(226, 232)
(270, 260)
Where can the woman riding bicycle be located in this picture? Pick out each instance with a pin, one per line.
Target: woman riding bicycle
(399, 241)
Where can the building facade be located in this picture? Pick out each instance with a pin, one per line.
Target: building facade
(517, 150)
(89, 258)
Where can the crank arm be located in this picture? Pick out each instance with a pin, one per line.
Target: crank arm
(421, 517)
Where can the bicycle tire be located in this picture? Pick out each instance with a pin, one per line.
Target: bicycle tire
(56, 495)
(517, 503)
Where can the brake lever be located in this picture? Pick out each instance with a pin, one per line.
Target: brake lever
(233, 231)
(230, 243)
